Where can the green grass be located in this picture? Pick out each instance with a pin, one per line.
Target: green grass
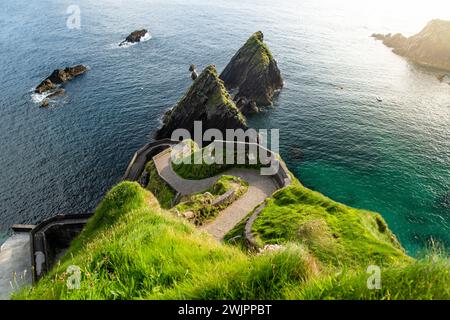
(334, 233)
(424, 279)
(162, 191)
(133, 249)
(200, 204)
(188, 169)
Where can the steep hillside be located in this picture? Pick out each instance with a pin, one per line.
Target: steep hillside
(132, 249)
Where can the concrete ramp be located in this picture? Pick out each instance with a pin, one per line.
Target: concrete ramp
(15, 264)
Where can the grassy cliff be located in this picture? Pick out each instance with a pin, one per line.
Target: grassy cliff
(133, 249)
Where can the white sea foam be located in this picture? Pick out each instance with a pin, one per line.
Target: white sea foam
(39, 97)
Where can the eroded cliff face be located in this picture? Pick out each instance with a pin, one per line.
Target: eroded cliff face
(254, 73)
(430, 47)
(208, 101)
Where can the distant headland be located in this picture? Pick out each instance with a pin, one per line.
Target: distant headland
(430, 47)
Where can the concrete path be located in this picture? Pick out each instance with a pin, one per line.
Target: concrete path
(15, 264)
(260, 187)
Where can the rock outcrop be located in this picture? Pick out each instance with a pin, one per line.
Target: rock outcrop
(254, 73)
(60, 76)
(193, 70)
(208, 101)
(134, 37)
(430, 47)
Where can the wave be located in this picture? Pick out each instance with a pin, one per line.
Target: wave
(39, 97)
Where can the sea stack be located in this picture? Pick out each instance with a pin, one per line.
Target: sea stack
(60, 76)
(430, 47)
(206, 100)
(254, 73)
(134, 37)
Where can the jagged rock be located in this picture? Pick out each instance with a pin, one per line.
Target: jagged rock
(208, 101)
(430, 47)
(192, 68)
(134, 37)
(194, 75)
(45, 103)
(253, 72)
(60, 76)
(246, 106)
(56, 93)
(188, 215)
(45, 86)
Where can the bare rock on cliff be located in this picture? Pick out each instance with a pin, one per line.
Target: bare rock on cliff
(253, 72)
(430, 47)
(208, 101)
(60, 76)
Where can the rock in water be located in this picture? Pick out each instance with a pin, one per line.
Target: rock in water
(208, 101)
(45, 103)
(60, 76)
(254, 72)
(430, 47)
(134, 37)
(45, 86)
(194, 75)
(192, 68)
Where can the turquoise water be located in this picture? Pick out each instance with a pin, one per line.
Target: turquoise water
(392, 157)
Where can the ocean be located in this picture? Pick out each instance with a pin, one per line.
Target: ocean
(392, 157)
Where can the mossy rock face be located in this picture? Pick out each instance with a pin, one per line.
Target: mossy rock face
(254, 72)
(208, 101)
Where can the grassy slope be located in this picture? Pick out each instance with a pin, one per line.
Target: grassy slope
(334, 233)
(162, 191)
(132, 249)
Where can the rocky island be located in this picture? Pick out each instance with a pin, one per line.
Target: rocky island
(254, 73)
(60, 76)
(135, 36)
(208, 101)
(430, 47)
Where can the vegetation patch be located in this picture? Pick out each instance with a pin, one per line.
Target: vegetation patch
(190, 168)
(424, 279)
(334, 233)
(162, 191)
(201, 207)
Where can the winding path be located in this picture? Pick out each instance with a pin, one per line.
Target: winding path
(260, 187)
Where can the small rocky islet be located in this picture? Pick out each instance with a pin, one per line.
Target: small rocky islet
(133, 37)
(430, 47)
(51, 84)
(60, 76)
